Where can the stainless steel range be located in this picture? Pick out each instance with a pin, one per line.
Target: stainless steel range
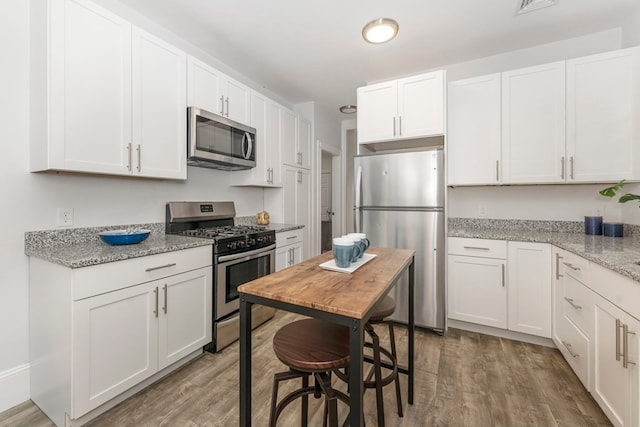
(241, 253)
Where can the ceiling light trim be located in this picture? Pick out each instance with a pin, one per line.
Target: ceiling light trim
(348, 109)
(381, 30)
(531, 5)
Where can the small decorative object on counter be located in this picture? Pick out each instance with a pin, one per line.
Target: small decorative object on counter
(613, 229)
(124, 237)
(262, 218)
(593, 225)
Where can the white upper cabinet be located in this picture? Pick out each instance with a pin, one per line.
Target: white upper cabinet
(304, 141)
(87, 72)
(159, 107)
(412, 107)
(533, 124)
(213, 91)
(288, 135)
(603, 116)
(473, 134)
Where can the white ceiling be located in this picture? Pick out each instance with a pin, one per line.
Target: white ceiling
(306, 50)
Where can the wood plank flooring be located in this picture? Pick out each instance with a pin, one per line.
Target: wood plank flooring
(462, 379)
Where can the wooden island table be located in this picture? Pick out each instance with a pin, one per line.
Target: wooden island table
(342, 298)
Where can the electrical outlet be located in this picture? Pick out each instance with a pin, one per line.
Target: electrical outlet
(65, 217)
(482, 211)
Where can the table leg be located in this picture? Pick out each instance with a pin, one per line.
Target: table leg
(411, 329)
(245, 362)
(356, 376)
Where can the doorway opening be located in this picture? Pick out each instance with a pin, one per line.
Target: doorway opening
(330, 195)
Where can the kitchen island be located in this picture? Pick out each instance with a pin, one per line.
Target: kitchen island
(342, 298)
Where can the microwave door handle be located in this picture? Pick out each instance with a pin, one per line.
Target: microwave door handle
(247, 136)
(244, 151)
(358, 208)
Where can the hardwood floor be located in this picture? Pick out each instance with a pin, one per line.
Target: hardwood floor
(462, 379)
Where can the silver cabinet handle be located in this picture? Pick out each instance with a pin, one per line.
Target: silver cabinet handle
(394, 126)
(222, 105)
(568, 347)
(227, 102)
(625, 346)
(571, 266)
(155, 310)
(574, 305)
(400, 126)
(558, 258)
(479, 248)
(503, 275)
(129, 154)
(166, 304)
(160, 266)
(139, 167)
(292, 237)
(618, 327)
(571, 167)
(562, 167)
(497, 170)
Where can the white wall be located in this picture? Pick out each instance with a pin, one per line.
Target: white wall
(631, 31)
(29, 201)
(551, 202)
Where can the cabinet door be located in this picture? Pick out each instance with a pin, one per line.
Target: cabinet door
(615, 387)
(477, 290)
(529, 277)
(603, 104)
(185, 315)
(237, 100)
(159, 108)
(203, 87)
(283, 257)
(288, 137)
(304, 143)
(473, 133)
(421, 105)
(90, 89)
(377, 112)
(289, 188)
(115, 344)
(274, 139)
(260, 120)
(533, 124)
(303, 214)
(297, 253)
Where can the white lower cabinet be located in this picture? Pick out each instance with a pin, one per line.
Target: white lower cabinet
(501, 284)
(125, 322)
(289, 246)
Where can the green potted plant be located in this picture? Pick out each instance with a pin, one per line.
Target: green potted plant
(613, 190)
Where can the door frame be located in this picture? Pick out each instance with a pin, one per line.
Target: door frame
(345, 213)
(336, 191)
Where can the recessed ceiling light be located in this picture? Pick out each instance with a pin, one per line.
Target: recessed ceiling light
(380, 30)
(348, 109)
(531, 5)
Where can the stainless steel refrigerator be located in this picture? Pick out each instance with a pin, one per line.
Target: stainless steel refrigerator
(399, 203)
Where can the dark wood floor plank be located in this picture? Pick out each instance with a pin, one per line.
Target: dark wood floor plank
(462, 379)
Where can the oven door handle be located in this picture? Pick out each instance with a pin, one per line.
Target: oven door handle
(246, 255)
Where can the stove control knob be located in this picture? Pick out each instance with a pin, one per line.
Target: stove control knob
(241, 244)
(253, 241)
(231, 245)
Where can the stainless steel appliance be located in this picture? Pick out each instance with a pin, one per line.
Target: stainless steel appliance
(216, 142)
(241, 253)
(399, 203)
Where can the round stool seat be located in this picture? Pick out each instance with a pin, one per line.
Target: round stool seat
(383, 308)
(312, 345)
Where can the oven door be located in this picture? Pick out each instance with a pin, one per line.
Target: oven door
(237, 269)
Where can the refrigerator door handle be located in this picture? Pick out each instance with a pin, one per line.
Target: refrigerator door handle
(357, 212)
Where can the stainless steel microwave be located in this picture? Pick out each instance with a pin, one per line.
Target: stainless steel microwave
(219, 143)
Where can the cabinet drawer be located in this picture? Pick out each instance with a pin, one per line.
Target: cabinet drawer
(99, 279)
(289, 237)
(576, 267)
(478, 247)
(574, 346)
(578, 305)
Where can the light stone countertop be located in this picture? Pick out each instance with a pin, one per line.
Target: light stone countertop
(81, 247)
(619, 254)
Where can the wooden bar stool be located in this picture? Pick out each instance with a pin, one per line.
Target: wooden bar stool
(310, 347)
(381, 311)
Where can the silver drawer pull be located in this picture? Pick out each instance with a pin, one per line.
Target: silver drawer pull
(625, 346)
(568, 347)
(479, 248)
(292, 237)
(574, 305)
(173, 264)
(571, 266)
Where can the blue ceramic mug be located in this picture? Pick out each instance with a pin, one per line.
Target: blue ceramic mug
(345, 251)
(362, 240)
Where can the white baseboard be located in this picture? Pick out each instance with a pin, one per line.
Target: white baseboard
(502, 333)
(14, 386)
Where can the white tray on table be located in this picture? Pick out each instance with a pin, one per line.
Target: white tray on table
(331, 264)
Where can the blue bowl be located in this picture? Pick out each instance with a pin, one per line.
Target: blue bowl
(124, 237)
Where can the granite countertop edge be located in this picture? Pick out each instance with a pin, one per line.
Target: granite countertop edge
(88, 254)
(619, 254)
(281, 228)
